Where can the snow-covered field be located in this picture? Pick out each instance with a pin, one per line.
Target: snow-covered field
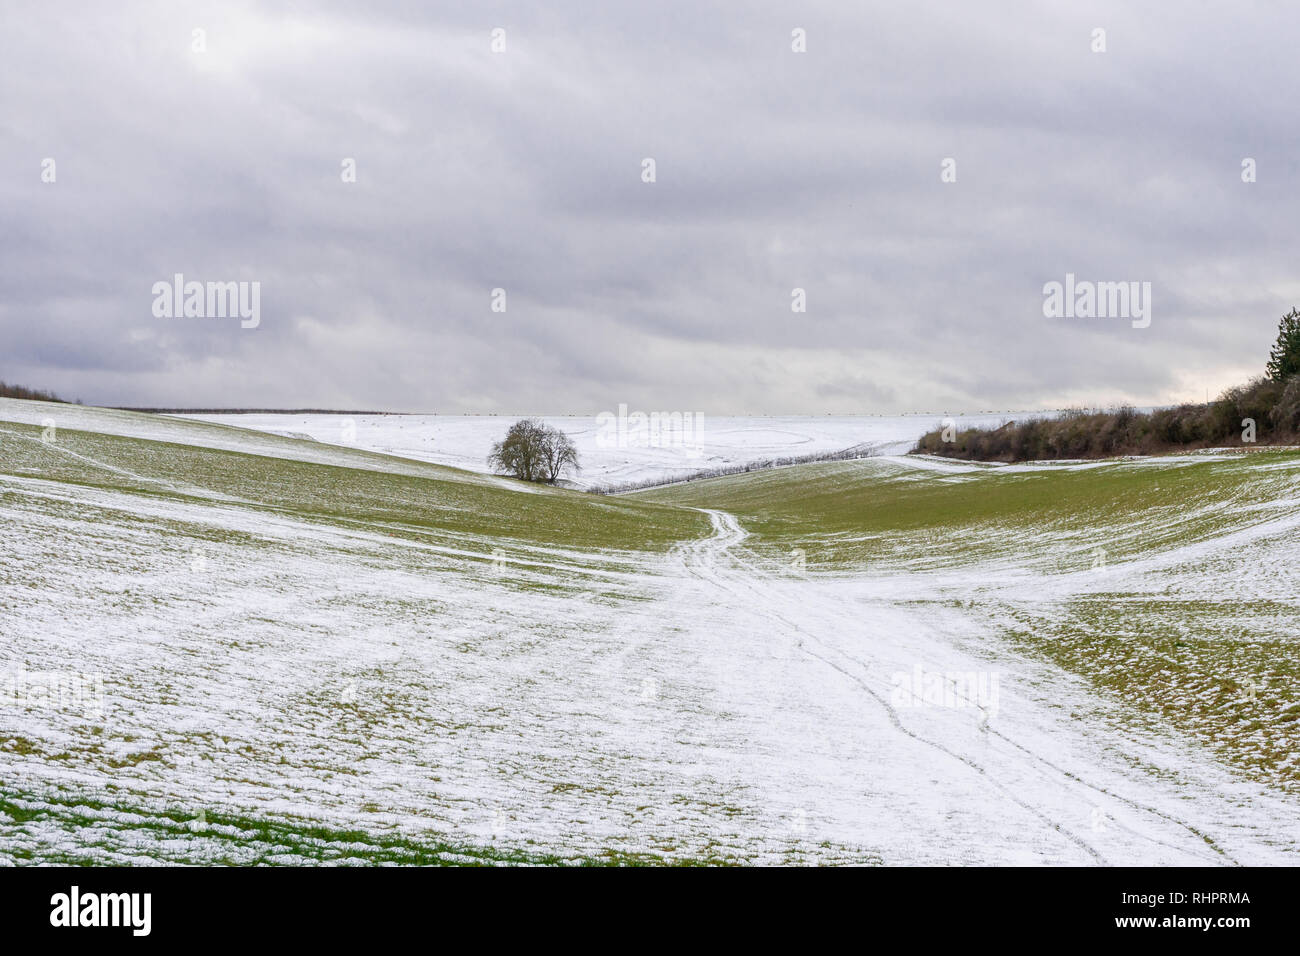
(290, 654)
(609, 456)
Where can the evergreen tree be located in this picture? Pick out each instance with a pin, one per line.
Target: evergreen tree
(1284, 360)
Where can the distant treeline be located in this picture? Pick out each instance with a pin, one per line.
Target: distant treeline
(864, 450)
(1263, 412)
(245, 411)
(31, 394)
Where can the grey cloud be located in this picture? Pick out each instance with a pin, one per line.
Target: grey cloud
(522, 170)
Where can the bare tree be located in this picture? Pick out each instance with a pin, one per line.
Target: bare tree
(534, 451)
(558, 454)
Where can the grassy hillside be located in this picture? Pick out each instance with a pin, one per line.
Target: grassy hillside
(183, 458)
(306, 648)
(82, 830)
(852, 514)
(310, 653)
(1174, 583)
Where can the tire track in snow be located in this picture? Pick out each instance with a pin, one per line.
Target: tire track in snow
(1055, 768)
(1049, 764)
(728, 533)
(702, 559)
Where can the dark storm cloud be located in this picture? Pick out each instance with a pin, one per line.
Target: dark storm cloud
(522, 170)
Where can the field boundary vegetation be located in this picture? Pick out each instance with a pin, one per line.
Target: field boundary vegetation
(1264, 411)
(31, 394)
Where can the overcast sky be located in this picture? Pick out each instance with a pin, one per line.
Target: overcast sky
(523, 170)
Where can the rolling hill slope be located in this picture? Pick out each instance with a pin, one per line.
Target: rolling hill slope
(1171, 583)
(220, 646)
